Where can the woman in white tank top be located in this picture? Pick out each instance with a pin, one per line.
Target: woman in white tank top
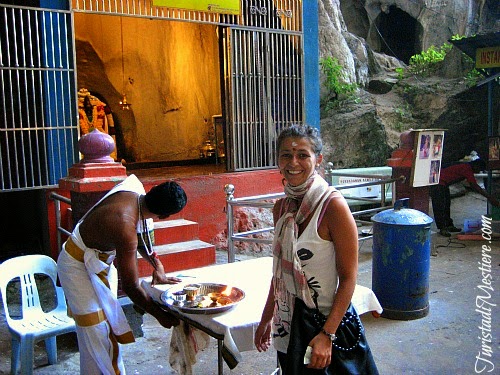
(315, 249)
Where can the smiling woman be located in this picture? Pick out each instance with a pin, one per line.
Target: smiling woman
(297, 161)
(299, 153)
(315, 264)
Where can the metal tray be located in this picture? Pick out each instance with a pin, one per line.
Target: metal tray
(191, 307)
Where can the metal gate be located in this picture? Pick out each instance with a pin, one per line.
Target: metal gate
(38, 107)
(266, 94)
(262, 69)
(38, 127)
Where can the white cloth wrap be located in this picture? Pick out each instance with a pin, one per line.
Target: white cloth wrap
(86, 293)
(107, 298)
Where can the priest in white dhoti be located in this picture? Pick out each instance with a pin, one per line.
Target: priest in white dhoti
(109, 234)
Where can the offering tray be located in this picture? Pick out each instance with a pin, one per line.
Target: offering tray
(224, 298)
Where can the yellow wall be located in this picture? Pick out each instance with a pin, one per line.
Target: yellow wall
(174, 67)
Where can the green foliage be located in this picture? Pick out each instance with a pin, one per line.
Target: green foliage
(473, 75)
(426, 62)
(403, 118)
(335, 79)
(401, 72)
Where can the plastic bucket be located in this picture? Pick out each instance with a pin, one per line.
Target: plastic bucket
(401, 262)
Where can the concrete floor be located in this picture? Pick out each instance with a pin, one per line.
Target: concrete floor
(444, 342)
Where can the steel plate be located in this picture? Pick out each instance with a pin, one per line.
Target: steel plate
(191, 307)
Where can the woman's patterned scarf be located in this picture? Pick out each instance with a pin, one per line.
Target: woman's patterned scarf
(300, 202)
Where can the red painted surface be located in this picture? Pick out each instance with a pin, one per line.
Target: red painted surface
(401, 158)
(401, 161)
(206, 199)
(470, 237)
(65, 218)
(89, 185)
(173, 234)
(179, 261)
(419, 196)
(95, 170)
(93, 177)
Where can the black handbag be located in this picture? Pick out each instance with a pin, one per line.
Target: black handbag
(351, 354)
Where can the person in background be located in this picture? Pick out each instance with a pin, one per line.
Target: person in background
(315, 252)
(440, 193)
(107, 235)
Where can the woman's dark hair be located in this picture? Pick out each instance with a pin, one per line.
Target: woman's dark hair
(166, 199)
(301, 131)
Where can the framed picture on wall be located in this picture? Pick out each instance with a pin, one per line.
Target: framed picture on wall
(428, 151)
(494, 152)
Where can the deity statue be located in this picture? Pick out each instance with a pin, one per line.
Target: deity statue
(94, 114)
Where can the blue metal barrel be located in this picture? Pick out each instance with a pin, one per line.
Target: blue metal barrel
(401, 261)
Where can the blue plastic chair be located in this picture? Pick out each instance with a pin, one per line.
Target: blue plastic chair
(34, 325)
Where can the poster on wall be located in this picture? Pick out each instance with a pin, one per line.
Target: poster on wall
(215, 6)
(428, 153)
(494, 152)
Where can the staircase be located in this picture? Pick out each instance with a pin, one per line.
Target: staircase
(178, 247)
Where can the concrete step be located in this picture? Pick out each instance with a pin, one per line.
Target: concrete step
(180, 256)
(173, 231)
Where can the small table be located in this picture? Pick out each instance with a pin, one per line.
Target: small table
(234, 329)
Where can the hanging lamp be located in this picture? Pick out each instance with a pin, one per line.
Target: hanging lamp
(124, 104)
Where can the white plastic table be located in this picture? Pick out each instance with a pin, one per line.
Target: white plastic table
(234, 329)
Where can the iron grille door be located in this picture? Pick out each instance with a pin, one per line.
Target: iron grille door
(38, 122)
(266, 94)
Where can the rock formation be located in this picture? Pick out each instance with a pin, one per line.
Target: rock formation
(371, 39)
